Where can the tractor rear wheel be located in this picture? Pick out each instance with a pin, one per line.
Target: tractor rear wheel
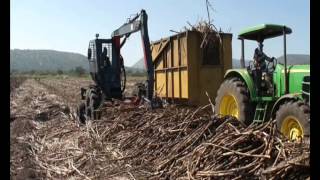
(233, 99)
(293, 120)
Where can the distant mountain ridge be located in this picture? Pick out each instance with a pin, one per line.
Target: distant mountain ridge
(291, 59)
(52, 60)
(295, 59)
(139, 65)
(46, 60)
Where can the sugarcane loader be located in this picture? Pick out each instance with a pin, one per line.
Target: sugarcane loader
(108, 72)
(266, 89)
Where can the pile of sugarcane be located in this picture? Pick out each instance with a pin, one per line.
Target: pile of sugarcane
(192, 144)
(174, 142)
(209, 33)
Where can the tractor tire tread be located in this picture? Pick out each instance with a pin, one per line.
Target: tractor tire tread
(295, 108)
(238, 86)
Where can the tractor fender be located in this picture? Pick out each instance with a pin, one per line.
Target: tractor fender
(244, 75)
(282, 100)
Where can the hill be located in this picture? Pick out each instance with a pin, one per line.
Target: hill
(51, 60)
(139, 65)
(46, 60)
(236, 63)
(291, 59)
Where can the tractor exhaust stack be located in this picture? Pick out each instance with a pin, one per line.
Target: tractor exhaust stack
(242, 54)
(285, 61)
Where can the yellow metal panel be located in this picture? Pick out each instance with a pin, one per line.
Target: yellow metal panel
(227, 52)
(184, 84)
(158, 47)
(176, 84)
(193, 50)
(159, 64)
(168, 58)
(175, 52)
(161, 84)
(183, 47)
(192, 78)
(169, 80)
(154, 51)
(211, 78)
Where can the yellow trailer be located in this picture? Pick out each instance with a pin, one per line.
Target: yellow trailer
(184, 71)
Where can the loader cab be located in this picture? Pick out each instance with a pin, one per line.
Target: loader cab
(259, 34)
(103, 65)
(95, 52)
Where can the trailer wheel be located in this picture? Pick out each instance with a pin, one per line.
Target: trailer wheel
(233, 99)
(293, 120)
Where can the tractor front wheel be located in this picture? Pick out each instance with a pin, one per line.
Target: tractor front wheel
(293, 120)
(233, 99)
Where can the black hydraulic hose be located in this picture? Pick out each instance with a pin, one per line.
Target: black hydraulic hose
(124, 78)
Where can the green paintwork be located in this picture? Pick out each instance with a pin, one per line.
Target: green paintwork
(263, 31)
(264, 98)
(243, 74)
(295, 73)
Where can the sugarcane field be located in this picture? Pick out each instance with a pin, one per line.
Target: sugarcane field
(202, 102)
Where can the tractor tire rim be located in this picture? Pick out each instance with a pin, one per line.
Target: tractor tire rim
(229, 106)
(291, 128)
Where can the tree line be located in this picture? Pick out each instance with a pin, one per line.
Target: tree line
(77, 71)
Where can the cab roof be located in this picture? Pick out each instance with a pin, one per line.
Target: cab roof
(263, 31)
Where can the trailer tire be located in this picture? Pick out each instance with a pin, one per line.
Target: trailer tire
(233, 99)
(293, 120)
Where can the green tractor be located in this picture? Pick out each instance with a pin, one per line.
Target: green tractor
(280, 92)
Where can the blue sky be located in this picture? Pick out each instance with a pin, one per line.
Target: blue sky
(69, 25)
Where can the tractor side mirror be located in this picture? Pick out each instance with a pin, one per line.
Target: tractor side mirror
(89, 53)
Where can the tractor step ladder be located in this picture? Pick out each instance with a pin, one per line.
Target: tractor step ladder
(260, 113)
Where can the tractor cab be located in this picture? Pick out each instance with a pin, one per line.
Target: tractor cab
(261, 68)
(104, 66)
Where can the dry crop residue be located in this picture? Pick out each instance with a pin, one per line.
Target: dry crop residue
(136, 143)
(45, 140)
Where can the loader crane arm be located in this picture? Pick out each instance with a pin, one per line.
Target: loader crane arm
(139, 23)
(107, 70)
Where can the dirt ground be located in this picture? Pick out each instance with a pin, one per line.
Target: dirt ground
(42, 119)
(46, 141)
